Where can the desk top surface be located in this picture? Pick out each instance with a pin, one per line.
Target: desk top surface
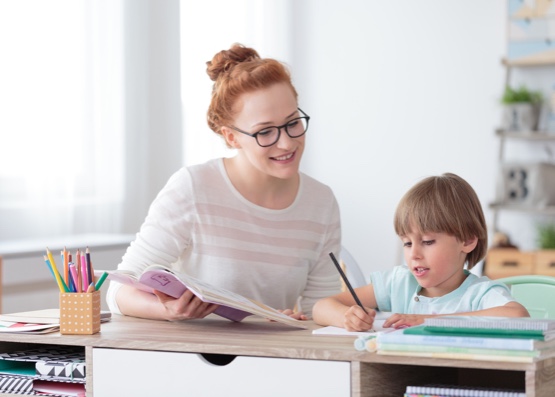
(251, 337)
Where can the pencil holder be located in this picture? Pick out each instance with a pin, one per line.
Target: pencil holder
(80, 313)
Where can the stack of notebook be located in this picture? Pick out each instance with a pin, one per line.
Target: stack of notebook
(473, 338)
(451, 391)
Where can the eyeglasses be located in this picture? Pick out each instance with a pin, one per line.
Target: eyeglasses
(270, 135)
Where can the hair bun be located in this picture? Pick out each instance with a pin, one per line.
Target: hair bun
(224, 61)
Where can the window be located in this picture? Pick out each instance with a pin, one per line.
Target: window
(61, 125)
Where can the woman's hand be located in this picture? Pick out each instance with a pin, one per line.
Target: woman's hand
(186, 307)
(357, 320)
(405, 320)
(296, 316)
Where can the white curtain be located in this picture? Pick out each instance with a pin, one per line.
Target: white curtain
(61, 117)
(91, 98)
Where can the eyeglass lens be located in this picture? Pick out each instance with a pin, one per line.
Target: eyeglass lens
(295, 128)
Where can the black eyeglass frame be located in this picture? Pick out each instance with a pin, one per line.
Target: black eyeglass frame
(279, 128)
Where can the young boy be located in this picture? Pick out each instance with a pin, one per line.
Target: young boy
(442, 227)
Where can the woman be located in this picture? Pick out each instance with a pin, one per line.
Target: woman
(252, 224)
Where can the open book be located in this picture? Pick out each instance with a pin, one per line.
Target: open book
(233, 306)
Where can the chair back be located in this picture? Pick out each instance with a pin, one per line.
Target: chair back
(535, 292)
(351, 268)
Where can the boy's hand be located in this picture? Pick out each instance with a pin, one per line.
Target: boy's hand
(404, 320)
(357, 320)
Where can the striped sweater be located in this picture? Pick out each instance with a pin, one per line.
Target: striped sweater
(200, 224)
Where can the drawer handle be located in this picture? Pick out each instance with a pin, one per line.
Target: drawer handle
(218, 359)
(510, 263)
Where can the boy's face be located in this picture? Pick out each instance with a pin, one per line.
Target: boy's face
(436, 260)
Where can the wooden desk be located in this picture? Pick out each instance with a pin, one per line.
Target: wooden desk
(370, 374)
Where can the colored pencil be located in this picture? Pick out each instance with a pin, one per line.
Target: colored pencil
(59, 280)
(66, 266)
(101, 281)
(90, 276)
(74, 276)
(84, 276)
(78, 267)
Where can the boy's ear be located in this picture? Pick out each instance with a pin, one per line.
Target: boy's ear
(470, 244)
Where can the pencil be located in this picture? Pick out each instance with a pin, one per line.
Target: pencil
(74, 277)
(347, 283)
(59, 280)
(49, 267)
(78, 266)
(66, 268)
(90, 276)
(84, 277)
(100, 281)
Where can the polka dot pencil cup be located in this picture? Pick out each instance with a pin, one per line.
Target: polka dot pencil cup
(80, 313)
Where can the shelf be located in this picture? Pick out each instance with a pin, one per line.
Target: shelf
(526, 63)
(526, 135)
(549, 210)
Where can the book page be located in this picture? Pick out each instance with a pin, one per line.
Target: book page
(234, 306)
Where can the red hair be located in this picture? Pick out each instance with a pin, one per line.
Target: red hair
(235, 72)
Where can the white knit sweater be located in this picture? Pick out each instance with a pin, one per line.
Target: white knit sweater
(200, 224)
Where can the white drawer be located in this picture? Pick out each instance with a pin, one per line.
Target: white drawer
(147, 373)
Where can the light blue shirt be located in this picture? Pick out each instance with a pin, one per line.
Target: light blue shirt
(396, 291)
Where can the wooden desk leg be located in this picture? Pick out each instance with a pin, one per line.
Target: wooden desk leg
(89, 369)
(1, 283)
(541, 383)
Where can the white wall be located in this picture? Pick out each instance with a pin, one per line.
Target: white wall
(397, 91)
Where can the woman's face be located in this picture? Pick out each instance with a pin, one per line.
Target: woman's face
(272, 106)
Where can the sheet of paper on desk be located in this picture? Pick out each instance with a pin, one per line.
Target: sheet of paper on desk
(378, 327)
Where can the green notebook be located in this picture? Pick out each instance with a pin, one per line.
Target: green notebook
(477, 332)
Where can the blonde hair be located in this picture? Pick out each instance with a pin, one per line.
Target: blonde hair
(444, 204)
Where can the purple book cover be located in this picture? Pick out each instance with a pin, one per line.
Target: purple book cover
(168, 283)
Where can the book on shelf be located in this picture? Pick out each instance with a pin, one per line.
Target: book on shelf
(489, 342)
(58, 371)
(232, 306)
(459, 391)
(16, 384)
(483, 325)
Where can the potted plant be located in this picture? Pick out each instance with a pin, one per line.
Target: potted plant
(521, 109)
(545, 257)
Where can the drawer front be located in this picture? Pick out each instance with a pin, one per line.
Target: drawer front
(508, 262)
(545, 262)
(152, 373)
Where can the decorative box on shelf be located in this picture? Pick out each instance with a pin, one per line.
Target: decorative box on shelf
(506, 262)
(545, 262)
(531, 185)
